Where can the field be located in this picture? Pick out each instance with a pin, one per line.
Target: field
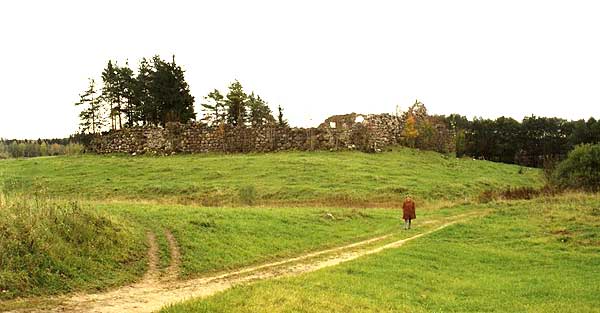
(135, 195)
(536, 256)
(93, 223)
(276, 179)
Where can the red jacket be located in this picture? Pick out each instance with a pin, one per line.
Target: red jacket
(408, 209)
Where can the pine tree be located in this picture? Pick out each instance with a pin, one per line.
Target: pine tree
(259, 112)
(110, 94)
(170, 92)
(91, 117)
(236, 104)
(119, 93)
(143, 101)
(280, 120)
(126, 90)
(214, 108)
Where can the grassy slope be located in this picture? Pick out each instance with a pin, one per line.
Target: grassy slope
(538, 256)
(210, 239)
(339, 178)
(214, 239)
(48, 248)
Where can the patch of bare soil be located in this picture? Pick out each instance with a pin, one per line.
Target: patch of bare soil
(153, 293)
(173, 269)
(152, 274)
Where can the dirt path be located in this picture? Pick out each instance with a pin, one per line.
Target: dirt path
(173, 269)
(154, 292)
(152, 274)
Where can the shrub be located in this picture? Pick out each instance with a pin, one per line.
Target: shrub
(549, 164)
(73, 149)
(516, 193)
(581, 169)
(486, 196)
(247, 195)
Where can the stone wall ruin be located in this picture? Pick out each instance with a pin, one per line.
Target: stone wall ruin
(369, 133)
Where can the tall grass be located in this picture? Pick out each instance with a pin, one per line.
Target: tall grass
(51, 247)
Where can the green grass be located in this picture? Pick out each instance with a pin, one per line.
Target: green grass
(527, 256)
(217, 239)
(286, 178)
(226, 211)
(48, 248)
(92, 247)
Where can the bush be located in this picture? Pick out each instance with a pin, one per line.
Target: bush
(549, 164)
(73, 149)
(581, 169)
(516, 193)
(487, 196)
(248, 195)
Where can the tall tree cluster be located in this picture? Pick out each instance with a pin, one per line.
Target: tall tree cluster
(158, 94)
(237, 108)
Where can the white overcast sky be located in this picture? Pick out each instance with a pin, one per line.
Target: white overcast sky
(315, 58)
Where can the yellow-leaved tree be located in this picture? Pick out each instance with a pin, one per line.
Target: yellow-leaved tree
(410, 132)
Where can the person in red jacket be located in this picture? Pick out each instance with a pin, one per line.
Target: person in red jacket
(408, 211)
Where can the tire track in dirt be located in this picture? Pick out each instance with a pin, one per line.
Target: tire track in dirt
(151, 294)
(173, 269)
(152, 274)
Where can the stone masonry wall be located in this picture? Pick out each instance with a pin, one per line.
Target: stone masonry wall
(372, 133)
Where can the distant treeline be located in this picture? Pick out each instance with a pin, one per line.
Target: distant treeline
(41, 147)
(531, 142)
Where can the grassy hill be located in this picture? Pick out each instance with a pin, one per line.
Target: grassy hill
(48, 247)
(311, 178)
(127, 197)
